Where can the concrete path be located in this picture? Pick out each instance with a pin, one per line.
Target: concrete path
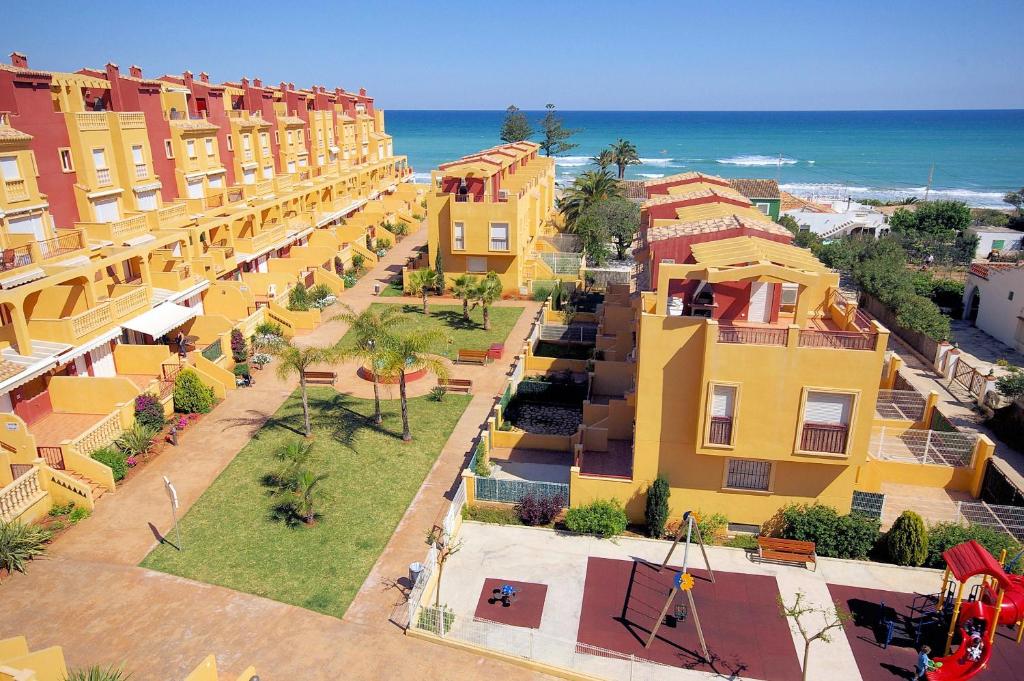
(91, 598)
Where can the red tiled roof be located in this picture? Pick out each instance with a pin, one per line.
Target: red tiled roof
(634, 189)
(756, 188)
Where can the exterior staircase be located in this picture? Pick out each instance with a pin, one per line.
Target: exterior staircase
(95, 488)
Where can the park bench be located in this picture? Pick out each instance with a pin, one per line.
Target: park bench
(456, 385)
(472, 357)
(787, 551)
(325, 377)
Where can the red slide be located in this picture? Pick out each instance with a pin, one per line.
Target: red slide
(959, 665)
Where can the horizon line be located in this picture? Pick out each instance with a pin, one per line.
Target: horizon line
(1007, 109)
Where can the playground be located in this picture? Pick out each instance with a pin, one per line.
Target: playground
(626, 609)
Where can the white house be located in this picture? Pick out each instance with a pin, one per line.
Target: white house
(848, 217)
(994, 301)
(1000, 239)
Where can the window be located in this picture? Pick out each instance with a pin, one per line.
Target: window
(147, 200)
(168, 149)
(723, 402)
(277, 137)
(190, 148)
(998, 244)
(499, 236)
(1009, 296)
(749, 475)
(303, 161)
(268, 172)
(319, 159)
(248, 176)
(209, 146)
(216, 180)
(30, 224)
(99, 159)
(231, 143)
(67, 163)
(246, 143)
(137, 156)
(289, 137)
(763, 207)
(476, 265)
(195, 189)
(107, 210)
(459, 236)
(9, 168)
(265, 142)
(291, 166)
(826, 422)
(789, 293)
(298, 134)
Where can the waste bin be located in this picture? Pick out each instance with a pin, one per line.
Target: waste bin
(376, 289)
(414, 572)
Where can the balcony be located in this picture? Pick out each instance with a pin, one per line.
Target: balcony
(73, 329)
(103, 178)
(751, 335)
(826, 438)
(838, 340)
(119, 231)
(176, 275)
(132, 120)
(141, 171)
(91, 120)
(499, 244)
(69, 242)
(13, 258)
(259, 242)
(247, 155)
(170, 213)
(16, 190)
(131, 299)
(720, 432)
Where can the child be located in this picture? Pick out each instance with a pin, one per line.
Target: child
(974, 649)
(924, 663)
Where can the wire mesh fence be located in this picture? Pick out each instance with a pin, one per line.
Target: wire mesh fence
(907, 405)
(933, 447)
(1008, 519)
(563, 263)
(513, 491)
(574, 333)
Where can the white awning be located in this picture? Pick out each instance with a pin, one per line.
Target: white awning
(161, 319)
(103, 192)
(22, 277)
(136, 241)
(80, 350)
(148, 187)
(179, 296)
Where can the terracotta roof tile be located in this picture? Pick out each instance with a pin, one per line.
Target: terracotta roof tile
(756, 188)
(790, 202)
(663, 232)
(634, 189)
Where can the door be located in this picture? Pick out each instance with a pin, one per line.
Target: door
(195, 189)
(103, 361)
(248, 176)
(107, 210)
(147, 200)
(32, 224)
(217, 181)
(759, 296)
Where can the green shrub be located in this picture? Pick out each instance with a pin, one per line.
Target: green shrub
(136, 440)
(80, 513)
(656, 511)
(505, 515)
(742, 541)
(383, 244)
(350, 280)
(241, 369)
(20, 543)
(437, 393)
(541, 292)
(482, 466)
(149, 412)
(942, 536)
(1011, 385)
(849, 536)
(358, 261)
(298, 298)
(269, 329)
(710, 525)
(96, 673)
(191, 395)
(61, 509)
(604, 517)
(907, 541)
(114, 459)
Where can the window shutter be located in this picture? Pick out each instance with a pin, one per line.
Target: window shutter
(195, 189)
(9, 168)
(827, 408)
(99, 158)
(722, 401)
(137, 154)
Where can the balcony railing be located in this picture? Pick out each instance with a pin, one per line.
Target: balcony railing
(13, 258)
(103, 177)
(131, 120)
(720, 432)
(247, 154)
(141, 171)
(838, 340)
(91, 120)
(17, 496)
(499, 244)
(748, 335)
(59, 245)
(829, 438)
(99, 435)
(131, 302)
(171, 212)
(16, 190)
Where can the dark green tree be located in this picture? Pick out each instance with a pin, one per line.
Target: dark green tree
(617, 220)
(555, 134)
(439, 270)
(656, 512)
(515, 127)
(586, 190)
(625, 154)
(907, 541)
(1016, 199)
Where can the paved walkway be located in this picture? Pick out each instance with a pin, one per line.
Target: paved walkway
(91, 598)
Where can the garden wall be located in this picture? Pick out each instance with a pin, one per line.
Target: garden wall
(915, 339)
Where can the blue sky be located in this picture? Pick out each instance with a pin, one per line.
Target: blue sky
(677, 55)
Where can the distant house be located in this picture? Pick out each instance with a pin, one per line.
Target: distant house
(847, 217)
(994, 301)
(764, 194)
(1000, 239)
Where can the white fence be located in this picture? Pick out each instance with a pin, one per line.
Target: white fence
(563, 263)
(907, 405)
(934, 447)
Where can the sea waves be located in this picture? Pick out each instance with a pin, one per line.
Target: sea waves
(581, 161)
(757, 160)
(827, 191)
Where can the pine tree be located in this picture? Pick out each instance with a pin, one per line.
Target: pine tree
(515, 127)
(907, 541)
(656, 512)
(439, 269)
(555, 134)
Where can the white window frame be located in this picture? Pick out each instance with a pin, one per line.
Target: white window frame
(190, 149)
(6, 164)
(268, 172)
(491, 240)
(289, 137)
(765, 208)
(102, 158)
(67, 160)
(231, 143)
(169, 148)
(458, 236)
(210, 148)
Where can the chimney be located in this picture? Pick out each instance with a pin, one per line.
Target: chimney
(258, 83)
(204, 76)
(113, 72)
(291, 86)
(362, 92)
(19, 60)
(134, 71)
(245, 82)
(187, 78)
(338, 92)
(283, 86)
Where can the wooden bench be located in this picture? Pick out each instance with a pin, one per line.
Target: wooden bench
(787, 551)
(456, 385)
(325, 377)
(472, 357)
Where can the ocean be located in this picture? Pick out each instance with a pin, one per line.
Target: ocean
(977, 156)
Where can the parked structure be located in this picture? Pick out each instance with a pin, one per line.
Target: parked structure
(846, 218)
(994, 301)
(135, 212)
(996, 240)
(493, 211)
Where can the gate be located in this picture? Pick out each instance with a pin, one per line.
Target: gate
(967, 377)
(53, 456)
(19, 469)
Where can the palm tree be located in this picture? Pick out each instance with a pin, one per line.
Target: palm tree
(411, 352)
(370, 328)
(298, 360)
(294, 456)
(307, 492)
(586, 190)
(625, 154)
(488, 291)
(604, 159)
(420, 284)
(464, 287)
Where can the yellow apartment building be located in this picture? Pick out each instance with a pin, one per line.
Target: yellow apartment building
(489, 211)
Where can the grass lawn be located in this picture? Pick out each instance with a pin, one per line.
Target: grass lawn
(448, 318)
(232, 539)
(393, 289)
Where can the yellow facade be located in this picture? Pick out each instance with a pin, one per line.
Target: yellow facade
(486, 212)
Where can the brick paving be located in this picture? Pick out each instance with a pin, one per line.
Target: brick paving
(91, 598)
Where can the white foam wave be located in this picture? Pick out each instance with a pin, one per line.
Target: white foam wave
(972, 197)
(756, 160)
(572, 161)
(650, 176)
(421, 177)
(662, 162)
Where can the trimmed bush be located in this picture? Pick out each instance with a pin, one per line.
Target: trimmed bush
(191, 395)
(942, 536)
(656, 511)
(358, 261)
(710, 525)
(539, 509)
(241, 369)
(350, 280)
(604, 517)
(114, 459)
(239, 351)
(850, 536)
(907, 541)
(149, 412)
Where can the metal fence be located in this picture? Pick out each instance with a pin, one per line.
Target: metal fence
(924, 447)
(533, 644)
(574, 333)
(513, 491)
(907, 405)
(1008, 519)
(429, 564)
(563, 263)
(868, 503)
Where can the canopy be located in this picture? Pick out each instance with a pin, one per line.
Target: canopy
(971, 558)
(161, 319)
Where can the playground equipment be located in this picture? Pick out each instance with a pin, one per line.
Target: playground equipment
(998, 600)
(684, 580)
